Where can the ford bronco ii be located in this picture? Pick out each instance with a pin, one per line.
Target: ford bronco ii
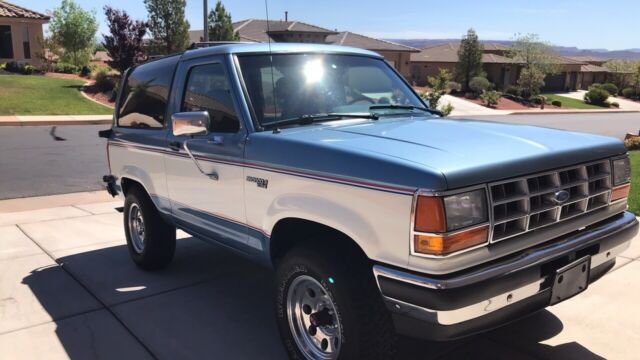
(378, 216)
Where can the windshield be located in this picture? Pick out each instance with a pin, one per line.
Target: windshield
(298, 85)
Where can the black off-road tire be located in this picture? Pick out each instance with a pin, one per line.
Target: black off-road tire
(160, 237)
(366, 324)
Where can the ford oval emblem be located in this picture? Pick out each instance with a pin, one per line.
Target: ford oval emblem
(561, 196)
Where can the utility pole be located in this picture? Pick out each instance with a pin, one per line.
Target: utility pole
(205, 32)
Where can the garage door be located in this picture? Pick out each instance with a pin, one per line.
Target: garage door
(554, 82)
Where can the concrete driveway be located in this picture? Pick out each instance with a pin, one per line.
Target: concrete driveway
(463, 107)
(69, 290)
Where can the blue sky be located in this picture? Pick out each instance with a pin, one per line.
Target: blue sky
(611, 24)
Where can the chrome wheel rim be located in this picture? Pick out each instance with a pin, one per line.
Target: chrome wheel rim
(136, 228)
(313, 319)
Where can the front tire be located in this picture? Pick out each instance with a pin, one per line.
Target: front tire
(328, 307)
(151, 240)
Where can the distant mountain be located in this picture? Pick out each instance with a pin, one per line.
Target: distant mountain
(627, 54)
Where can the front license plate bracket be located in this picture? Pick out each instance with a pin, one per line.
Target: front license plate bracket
(571, 280)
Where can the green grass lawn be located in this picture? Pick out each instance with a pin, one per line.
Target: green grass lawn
(634, 195)
(571, 103)
(40, 95)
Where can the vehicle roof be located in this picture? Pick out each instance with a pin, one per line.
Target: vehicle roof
(251, 48)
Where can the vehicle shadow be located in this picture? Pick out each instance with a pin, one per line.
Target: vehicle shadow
(211, 303)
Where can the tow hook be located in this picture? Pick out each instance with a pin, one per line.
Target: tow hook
(110, 180)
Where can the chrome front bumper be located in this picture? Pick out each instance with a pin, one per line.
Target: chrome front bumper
(488, 296)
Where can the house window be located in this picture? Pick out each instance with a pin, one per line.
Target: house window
(6, 46)
(25, 42)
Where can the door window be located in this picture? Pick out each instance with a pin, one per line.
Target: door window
(208, 90)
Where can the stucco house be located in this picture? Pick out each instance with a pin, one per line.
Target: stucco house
(502, 71)
(20, 34)
(258, 30)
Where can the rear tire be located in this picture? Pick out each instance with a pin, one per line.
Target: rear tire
(151, 240)
(337, 292)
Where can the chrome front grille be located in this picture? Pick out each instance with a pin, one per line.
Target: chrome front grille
(527, 203)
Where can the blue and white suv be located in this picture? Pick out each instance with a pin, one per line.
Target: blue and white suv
(379, 216)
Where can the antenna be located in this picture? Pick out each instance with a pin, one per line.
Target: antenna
(273, 85)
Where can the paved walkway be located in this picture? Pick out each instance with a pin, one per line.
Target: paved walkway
(68, 290)
(624, 103)
(19, 120)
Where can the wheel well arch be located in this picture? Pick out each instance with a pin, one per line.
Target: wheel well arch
(127, 183)
(291, 232)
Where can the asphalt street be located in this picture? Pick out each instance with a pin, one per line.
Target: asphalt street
(46, 160)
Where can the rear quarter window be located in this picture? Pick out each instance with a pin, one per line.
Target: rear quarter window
(145, 95)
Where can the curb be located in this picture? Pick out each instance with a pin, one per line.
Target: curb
(560, 112)
(56, 120)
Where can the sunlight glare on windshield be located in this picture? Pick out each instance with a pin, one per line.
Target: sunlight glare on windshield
(313, 71)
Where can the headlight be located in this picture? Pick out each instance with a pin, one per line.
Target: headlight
(444, 225)
(465, 209)
(621, 179)
(621, 171)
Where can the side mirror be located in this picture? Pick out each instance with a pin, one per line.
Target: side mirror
(190, 123)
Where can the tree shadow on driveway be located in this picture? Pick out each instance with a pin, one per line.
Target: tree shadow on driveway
(210, 303)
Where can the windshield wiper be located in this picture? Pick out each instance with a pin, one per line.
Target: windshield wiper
(406, 107)
(310, 119)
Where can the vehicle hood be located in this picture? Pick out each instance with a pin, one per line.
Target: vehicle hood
(463, 152)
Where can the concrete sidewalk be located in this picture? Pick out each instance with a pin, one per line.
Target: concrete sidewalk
(19, 120)
(68, 290)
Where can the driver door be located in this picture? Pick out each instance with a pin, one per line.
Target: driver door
(205, 175)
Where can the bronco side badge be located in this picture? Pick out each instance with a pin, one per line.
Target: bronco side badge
(262, 183)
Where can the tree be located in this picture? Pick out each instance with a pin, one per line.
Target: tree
(530, 81)
(469, 63)
(220, 25)
(537, 59)
(620, 72)
(168, 26)
(440, 85)
(75, 30)
(125, 43)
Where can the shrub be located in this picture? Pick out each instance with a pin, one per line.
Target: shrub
(615, 105)
(479, 84)
(629, 93)
(556, 103)
(469, 95)
(104, 82)
(114, 92)
(512, 90)
(454, 87)
(85, 71)
(446, 109)
(596, 96)
(14, 67)
(491, 98)
(632, 143)
(65, 68)
(3, 66)
(610, 88)
(28, 69)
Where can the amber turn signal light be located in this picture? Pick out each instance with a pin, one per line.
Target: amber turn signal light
(430, 215)
(443, 244)
(620, 192)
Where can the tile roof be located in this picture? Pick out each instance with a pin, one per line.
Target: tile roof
(593, 68)
(8, 10)
(255, 30)
(347, 38)
(449, 53)
(587, 59)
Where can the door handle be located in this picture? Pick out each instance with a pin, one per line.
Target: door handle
(175, 145)
(216, 140)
